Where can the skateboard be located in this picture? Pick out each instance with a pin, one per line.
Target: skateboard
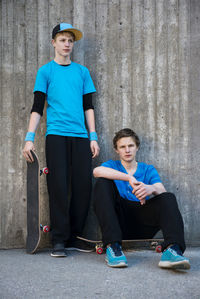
(154, 244)
(34, 227)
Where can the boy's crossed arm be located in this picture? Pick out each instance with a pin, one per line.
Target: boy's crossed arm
(140, 190)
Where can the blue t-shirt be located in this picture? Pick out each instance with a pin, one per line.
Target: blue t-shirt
(144, 173)
(65, 87)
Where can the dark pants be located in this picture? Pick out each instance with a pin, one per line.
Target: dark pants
(69, 185)
(122, 219)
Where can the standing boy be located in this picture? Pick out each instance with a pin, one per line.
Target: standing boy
(68, 88)
(125, 210)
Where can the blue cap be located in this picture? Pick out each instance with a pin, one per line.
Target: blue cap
(69, 28)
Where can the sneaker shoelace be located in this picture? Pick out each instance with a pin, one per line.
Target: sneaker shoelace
(116, 249)
(177, 249)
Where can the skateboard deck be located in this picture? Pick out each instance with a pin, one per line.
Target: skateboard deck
(34, 226)
(127, 244)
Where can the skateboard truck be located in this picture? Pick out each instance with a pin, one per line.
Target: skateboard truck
(44, 170)
(154, 245)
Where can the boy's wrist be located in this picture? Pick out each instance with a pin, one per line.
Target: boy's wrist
(93, 136)
(30, 136)
(154, 191)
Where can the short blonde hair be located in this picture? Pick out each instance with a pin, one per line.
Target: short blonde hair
(63, 32)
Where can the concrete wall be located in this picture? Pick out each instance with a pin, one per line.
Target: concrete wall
(144, 58)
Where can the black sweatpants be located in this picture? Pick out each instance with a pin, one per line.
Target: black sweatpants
(69, 185)
(122, 219)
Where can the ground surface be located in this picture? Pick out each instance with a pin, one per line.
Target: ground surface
(85, 275)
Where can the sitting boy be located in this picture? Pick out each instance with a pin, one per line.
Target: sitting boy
(131, 203)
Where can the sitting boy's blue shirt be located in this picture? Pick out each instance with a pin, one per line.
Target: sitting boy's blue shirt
(145, 173)
(65, 87)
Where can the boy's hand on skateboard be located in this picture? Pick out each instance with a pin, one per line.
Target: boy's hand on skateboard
(141, 191)
(94, 148)
(29, 146)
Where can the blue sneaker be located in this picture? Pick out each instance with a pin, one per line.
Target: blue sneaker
(171, 259)
(115, 256)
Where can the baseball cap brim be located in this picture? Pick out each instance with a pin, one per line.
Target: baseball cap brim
(77, 33)
(64, 27)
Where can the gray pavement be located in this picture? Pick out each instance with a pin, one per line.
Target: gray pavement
(85, 275)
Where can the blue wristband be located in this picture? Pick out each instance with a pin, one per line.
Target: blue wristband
(30, 136)
(93, 136)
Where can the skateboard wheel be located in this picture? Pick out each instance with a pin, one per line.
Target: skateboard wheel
(45, 170)
(99, 250)
(159, 248)
(46, 229)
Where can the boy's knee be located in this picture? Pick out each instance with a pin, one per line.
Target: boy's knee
(167, 195)
(168, 198)
(102, 182)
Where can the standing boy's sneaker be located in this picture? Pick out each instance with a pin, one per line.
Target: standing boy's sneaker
(79, 245)
(59, 250)
(173, 259)
(115, 256)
